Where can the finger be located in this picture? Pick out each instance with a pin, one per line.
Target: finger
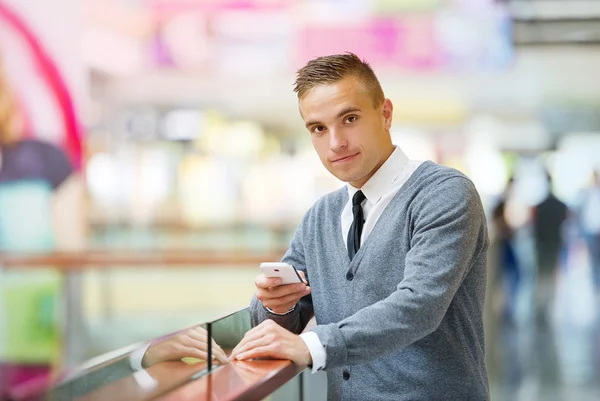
(260, 352)
(303, 276)
(241, 345)
(251, 335)
(250, 345)
(199, 329)
(218, 352)
(287, 289)
(199, 335)
(200, 342)
(262, 281)
(288, 299)
(281, 291)
(196, 340)
(263, 333)
(193, 353)
(201, 354)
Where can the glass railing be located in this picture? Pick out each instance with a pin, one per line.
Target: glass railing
(180, 366)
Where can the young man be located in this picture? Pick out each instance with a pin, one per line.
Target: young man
(396, 261)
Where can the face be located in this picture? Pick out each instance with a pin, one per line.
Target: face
(351, 135)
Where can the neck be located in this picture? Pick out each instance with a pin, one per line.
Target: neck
(386, 155)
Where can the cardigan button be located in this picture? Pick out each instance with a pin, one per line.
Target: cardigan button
(349, 276)
(346, 375)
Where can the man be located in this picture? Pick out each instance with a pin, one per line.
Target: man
(396, 262)
(548, 219)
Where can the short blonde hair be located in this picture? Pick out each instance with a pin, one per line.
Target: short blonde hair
(331, 69)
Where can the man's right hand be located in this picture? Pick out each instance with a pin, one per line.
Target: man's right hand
(279, 298)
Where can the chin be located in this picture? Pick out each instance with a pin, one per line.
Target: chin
(347, 177)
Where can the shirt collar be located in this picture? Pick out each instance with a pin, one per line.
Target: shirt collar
(383, 178)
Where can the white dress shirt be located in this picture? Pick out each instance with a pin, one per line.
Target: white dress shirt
(379, 191)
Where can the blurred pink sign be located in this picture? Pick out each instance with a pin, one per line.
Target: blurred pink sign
(407, 42)
(169, 7)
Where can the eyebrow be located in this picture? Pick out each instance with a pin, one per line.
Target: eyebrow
(345, 111)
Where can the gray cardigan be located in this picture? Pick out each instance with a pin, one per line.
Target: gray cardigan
(402, 320)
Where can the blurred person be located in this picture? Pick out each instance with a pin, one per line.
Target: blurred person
(38, 191)
(548, 217)
(395, 262)
(589, 221)
(507, 256)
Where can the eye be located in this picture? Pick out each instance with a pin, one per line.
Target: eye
(318, 129)
(351, 119)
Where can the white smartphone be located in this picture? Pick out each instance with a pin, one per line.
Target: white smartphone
(285, 271)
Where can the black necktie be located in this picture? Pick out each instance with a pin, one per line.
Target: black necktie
(357, 224)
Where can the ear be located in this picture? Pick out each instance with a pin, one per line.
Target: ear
(387, 110)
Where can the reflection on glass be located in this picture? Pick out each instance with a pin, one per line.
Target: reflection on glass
(145, 373)
(158, 367)
(228, 331)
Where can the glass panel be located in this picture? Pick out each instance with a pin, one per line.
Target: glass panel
(291, 391)
(168, 362)
(228, 331)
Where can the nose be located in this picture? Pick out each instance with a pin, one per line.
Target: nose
(337, 140)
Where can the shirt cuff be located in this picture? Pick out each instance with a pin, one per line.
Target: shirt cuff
(316, 349)
(145, 381)
(136, 357)
(280, 314)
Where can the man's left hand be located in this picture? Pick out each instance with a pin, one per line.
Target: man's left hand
(270, 340)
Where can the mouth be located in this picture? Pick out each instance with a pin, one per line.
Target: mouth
(344, 159)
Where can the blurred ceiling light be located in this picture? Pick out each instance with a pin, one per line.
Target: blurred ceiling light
(243, 139)
(530, 186)
(573, 163)
(140, 123)
(294, 181)
(484, 130)
(183, 125)
(414, 143)
(486, 168)
(199, 176)
(101, 172)
(152, 185)
(524, 134)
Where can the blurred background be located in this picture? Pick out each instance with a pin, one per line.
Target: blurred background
(152, 154)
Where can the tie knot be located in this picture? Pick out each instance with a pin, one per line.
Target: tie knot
(358, 198)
